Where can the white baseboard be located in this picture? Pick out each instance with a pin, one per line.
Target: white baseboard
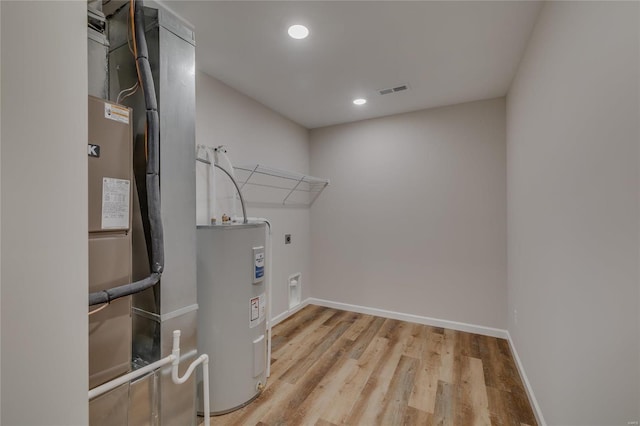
(532, 399)
(434, 322)
(286, 314)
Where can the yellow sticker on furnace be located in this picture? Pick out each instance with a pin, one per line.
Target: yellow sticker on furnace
(116, 112)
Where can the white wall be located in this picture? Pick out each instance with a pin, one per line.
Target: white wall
(414, 219)
(572, 132)
(44, 213)
(256, 134)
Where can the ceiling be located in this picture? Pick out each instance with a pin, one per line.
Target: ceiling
(447, 52)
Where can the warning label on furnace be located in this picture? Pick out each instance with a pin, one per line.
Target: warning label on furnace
(116, 112)
(257, 310)
(115, 203)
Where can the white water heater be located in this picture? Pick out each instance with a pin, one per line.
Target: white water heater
(232, 312)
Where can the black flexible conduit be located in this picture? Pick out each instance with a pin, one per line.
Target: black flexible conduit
(152, 175)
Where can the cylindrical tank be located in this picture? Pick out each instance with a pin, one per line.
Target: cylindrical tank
(232, 312)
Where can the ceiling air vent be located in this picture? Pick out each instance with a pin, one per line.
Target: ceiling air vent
(396, 89)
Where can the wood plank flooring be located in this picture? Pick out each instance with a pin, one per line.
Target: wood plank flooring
(332, 367)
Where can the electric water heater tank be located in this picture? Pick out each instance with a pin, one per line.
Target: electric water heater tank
(232, 312)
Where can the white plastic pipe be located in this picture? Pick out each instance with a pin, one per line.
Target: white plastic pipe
(106, 387)
(268, 287)
(202, 359)
(173, 359)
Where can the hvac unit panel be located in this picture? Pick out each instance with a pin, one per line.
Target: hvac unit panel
(110, 157)
(109, 329)
(142, 394)
(231, 315)
(110, 409)
(110, 176)
(109, 262)
(109, 349)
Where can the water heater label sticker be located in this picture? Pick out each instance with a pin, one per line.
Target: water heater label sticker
(259, 265)
(116, 112)
(115, 203)
(257, 310)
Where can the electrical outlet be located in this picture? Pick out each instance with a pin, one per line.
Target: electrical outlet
(287, 238)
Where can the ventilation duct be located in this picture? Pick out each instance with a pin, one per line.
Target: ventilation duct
(396, 89)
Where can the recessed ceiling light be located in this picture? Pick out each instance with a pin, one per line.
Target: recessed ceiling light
(298, 32)
(360, 101)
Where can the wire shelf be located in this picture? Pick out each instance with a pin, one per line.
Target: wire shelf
(266, 185)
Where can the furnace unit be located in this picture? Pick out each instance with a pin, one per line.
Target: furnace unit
(110, 172)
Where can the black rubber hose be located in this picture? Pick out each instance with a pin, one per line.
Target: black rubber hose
(153, 143)
(152, 176)
(107, 296)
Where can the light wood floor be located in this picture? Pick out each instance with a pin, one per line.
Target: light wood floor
(332, 367)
